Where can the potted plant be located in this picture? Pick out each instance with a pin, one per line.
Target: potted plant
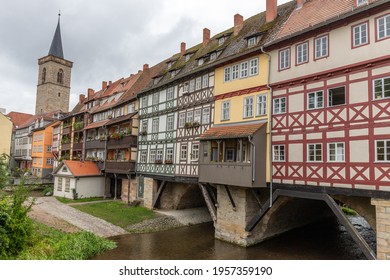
(143, 133)
(158, 161)
(196, 124)
(168, 161)
(188, 124)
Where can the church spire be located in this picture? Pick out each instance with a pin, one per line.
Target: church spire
(56, 44)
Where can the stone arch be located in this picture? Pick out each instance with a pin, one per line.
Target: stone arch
(60, 76)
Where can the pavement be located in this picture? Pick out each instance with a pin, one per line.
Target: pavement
(45, 207)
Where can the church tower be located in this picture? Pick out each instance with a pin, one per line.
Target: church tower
(53, 91)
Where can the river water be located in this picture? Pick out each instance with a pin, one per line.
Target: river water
(326, 240)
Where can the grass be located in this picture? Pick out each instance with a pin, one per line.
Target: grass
(117, 213)
(68, 200)
(50, 244)
(348, 211)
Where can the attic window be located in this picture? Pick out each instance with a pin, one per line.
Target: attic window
(173, 74)
(221, 41)
(188, 56)
(170, 63)
(64, 169)
(213, 56)
(200, 61)
(156, 80)
(361, 2)
(252, 41)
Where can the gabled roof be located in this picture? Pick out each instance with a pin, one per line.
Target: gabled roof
(231, 131)
(80, 168)
(56, 44)
(18, 118)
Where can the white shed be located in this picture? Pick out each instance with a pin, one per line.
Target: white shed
(82, 178)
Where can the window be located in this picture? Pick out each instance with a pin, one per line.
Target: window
(229, 156)
(336, 152)
(49, 161)
(382, 88)
(197, 115)
(361, 2)
(155, 125)
(182, 119)
(67, 184)
(170, 93)
(227, 74)
(183, 152)
(152, 156)
(213, 56)
(159, 155)
(205, 81)
(143, 156)
(360, 35)
(43, 75)
(170, 122)
(315, 100)
(221, 41)
(200, 61)
(254, 67)
(235, 72)
(279, 152)
(49, 148)
(144, 126)
(206, 116)
(261, 105)
(280, 105)
(192, 85)
(195, 152)
(244, 69)
(382, 150)
(302, 53)
(186, 87)
(284, 59)
(144, 102)
(336, 96)
(198, 83)
(60, 76)
(314, 152)
(383, 24)
(188, 56)
(131, 108)
(190, 117)
(169, 154)
(321, 47)
(155, 98)
(251, 41)
(59, 186)
(225, 111)
(248, 107)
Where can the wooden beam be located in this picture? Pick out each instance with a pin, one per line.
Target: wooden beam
(255, 196)
(230, 198)
(212, 194)
(159, 193)
(209, 203)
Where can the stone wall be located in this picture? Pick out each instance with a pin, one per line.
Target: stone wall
(181, 196)
(150, 192)
(382, 228)
(133, 190)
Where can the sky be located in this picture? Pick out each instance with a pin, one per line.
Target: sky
(105, 39)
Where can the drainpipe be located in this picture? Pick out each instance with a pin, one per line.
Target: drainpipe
(270, 127)
(253, 150)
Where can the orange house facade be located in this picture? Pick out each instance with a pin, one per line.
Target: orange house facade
(42, 157)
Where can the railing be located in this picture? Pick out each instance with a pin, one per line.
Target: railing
(66, 130)
(77, 146)
(125, 142)
(121, 167)
(94, 144)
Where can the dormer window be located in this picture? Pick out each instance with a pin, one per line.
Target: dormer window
(200, 61)
(156, 80)
(252, 41)
(170, 63)
(173, 74)
(213, 56)
(361, 2)
(188, 56)
(221, 41)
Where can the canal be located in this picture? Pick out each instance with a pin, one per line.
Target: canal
(326, 240)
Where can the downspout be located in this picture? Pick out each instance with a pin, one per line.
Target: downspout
(270, 127)
(253, 159)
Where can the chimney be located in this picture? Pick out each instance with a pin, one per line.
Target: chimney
(104, 85)
(146, 67)
(182, 48)
(300, 3)
(91, 92)
(81, 98)
(238, 23)
(206, 36)
(272, 10)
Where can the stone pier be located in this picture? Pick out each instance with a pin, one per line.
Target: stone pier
(382, 228)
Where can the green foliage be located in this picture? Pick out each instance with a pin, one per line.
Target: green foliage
(52, 244)
(47, 190)
(75, 194)
(117, 213)
(4, 176)
(348, 211)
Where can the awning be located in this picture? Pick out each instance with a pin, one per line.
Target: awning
(231, 131)
(121, 119)
(97, 124)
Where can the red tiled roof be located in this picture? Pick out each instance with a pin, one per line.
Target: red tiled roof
(97, 124)
(18, 118)
(79, 168)
(315, 12)
(231, 131)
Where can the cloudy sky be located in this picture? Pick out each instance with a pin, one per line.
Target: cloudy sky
(106, 39)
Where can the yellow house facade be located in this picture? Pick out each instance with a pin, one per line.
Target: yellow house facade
(242, 97)
(5, 134)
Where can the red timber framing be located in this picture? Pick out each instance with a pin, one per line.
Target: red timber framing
(358, 124)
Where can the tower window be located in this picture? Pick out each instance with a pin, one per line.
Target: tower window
(60, 76)
(59, 94)
(43, 75)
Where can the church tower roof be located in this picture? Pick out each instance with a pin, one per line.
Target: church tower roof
(56, 44)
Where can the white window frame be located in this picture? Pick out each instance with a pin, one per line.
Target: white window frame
(314, 147)
(302, 53)
(252, 41)
(226, 154)
(144, 156)
(145, 102)
(195, 152)
(382, 86)
(284, 59)
(386, 146)
(170, 93)
(279, 153)
(190, 117)
(182, 119)
(253, 67)
(192, 85)
(226, 74)
(318, 100)
(156, 98)
(235, 72)
(170, 122)
(278, 107)
(361, 2)
(225, 110)
(360, 35)
(183, 152)
(155, 125)
(321, 47)
(197, 115)
(198, 83)
(205, 81)
(261, 105)
(248, 107)
(385, 31)
(169, 154)
(159, 155)
(339, 156)
(244, 69)
(152, 156)
(206, 115)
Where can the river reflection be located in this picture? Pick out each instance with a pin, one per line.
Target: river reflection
(321, 241)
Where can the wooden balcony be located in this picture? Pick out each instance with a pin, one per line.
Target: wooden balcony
(67, 130)
(65, 147)
(95, 144)
(126, 142)
(120, 167)
(77, 146)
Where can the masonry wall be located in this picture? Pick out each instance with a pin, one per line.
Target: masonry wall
(382, 228)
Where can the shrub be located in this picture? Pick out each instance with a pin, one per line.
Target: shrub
(48, 191)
